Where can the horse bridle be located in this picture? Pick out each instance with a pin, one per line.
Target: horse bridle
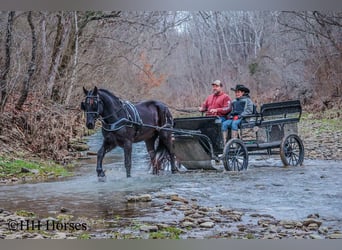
(125, 105)
(92, 100)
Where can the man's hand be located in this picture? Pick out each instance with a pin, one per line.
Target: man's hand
(213, 111)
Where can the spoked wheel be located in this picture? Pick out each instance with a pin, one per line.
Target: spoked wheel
(292, 150)
(235, 155)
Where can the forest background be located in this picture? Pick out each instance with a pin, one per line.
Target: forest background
(47, 57)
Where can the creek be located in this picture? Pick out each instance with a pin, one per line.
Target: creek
(266, 188)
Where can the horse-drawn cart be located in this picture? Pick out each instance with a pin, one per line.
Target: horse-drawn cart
(194, 142)
(198, 142)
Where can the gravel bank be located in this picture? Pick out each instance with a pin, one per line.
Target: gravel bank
(185, 219)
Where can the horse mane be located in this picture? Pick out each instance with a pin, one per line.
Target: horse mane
(110, 94)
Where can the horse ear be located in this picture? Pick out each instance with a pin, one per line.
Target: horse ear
(95, 91)
(85, 91)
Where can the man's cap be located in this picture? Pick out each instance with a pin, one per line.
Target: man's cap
(217, 83)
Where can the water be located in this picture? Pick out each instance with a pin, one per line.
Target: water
(266, 187)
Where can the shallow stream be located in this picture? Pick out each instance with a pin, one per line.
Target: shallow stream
(265, 188)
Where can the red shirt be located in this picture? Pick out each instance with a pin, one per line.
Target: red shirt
(221, 102)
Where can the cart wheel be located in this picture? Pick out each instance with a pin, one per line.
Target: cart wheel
(292, 150)
(235, 155)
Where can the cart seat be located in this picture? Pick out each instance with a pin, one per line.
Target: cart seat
(274, 113)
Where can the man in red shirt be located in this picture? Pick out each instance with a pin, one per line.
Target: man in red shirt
(218, 103)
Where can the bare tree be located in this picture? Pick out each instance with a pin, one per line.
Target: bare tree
(74, 67)
(7, 64)
(63, 29)
(31, 66)
(323, 51)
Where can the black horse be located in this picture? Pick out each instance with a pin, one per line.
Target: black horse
(124, 124)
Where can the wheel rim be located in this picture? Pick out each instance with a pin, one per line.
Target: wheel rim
(235, 157)
(292, 151)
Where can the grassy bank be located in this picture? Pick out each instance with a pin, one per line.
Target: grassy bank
(18, 169)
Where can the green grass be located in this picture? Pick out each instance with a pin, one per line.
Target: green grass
(84, 236)
(12, 167)
(25, 213)
(166, 233)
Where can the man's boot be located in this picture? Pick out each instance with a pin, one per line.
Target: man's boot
(225, 135)
(234, 134)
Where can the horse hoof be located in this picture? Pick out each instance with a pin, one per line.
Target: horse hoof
(101, 178)
(101, 174)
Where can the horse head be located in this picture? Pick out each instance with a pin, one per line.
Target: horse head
(91, 106)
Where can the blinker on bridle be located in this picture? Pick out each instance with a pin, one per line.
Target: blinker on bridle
(92, 101)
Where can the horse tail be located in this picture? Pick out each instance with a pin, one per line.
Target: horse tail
(162, 157)
(163, 154)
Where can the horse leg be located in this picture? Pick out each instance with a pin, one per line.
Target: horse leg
(100, 155)
(106, 147)
(151, 151)
(128, 157)
(167, 141)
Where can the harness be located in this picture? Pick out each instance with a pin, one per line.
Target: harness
(132, 118)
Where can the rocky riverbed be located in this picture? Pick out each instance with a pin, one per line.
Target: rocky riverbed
(182, 219)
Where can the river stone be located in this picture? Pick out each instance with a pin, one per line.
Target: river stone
(187, 218)
(177, 198)
(183, 208)
(323, 230)
(290, 224)
(25, 170)
(266, 222)
(167, 208)
(335, 236)
(188, 224)
(309, 221)
(59, 235)
(149, 228)
(196, 215)
(207, 224)
(312, 226)
(316, 237)
(139, 198)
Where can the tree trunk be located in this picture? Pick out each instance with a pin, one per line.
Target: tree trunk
(44, 63)
(31, 68)
(8, 45)
(61, 37)
(73, 77)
